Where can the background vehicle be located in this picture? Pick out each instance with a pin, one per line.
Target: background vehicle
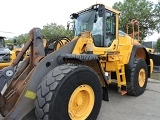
(69, 82)
(6, 55)
(150, 45)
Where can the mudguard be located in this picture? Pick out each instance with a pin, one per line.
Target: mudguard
(132, 58)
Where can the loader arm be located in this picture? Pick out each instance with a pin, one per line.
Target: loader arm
(7, 73)
(13, 91)
(18, 99)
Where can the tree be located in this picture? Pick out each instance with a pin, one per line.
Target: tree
(158, 45)
(53, 31)
(9, 41)
(157, 16)
(21, 39)
(49, 31)
(145, 11)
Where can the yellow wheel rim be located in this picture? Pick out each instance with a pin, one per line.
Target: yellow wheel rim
(81, 102)
(142, 77)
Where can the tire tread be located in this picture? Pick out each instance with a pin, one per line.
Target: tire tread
(43, 94)
(131, 90)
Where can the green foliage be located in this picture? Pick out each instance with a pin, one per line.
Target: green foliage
(52, 31)
(10, 41)
(158, 45)
(21, 39)
(157, 16)
(145, 11)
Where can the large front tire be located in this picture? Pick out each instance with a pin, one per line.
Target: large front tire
(138, 78)
(69, 92)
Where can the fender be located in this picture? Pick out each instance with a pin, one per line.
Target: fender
(90, 60)
(77, 58)
(128, 66)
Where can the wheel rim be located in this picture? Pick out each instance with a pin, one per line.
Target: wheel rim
(81, 102)
(142, 77)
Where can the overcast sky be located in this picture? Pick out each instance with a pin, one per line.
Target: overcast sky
(19, 16)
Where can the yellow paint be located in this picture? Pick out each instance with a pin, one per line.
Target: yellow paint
(30, 95)
(6, 64)
(150, 50)
(81, 102)
(151, 65)
(114, 57)
(142, 77)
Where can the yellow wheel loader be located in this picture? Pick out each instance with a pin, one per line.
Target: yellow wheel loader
(6, 55)
(69, 81)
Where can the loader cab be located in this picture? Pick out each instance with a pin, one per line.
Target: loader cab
(2, 42)
(100, 21)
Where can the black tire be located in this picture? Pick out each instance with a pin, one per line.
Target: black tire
(133, 86)
(57, 87)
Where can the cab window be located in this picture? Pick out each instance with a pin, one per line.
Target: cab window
(110, 19)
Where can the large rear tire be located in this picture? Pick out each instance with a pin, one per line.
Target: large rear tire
(138, 78)
(69, 92)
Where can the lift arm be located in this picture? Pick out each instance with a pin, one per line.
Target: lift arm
(8, 72)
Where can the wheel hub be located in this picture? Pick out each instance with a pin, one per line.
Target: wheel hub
(142, 77)
(81, 102)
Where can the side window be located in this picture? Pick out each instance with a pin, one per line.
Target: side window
(97, 26)
(97, 31)
(1, 42)
(110, 28)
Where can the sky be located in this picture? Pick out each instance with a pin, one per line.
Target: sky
(20, 16)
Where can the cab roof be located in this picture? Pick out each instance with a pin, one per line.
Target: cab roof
(2, 36)
(96, 5)
(106, 7)
(113, 10)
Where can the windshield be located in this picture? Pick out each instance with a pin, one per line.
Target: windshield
(85, 21)
(1, 41)
(91, 21)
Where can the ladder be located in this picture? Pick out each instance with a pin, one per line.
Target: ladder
(121, 78)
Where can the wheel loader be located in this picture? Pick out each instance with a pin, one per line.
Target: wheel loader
(70, 81)
(6, 55)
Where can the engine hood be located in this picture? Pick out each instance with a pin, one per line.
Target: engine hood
(4, 51)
